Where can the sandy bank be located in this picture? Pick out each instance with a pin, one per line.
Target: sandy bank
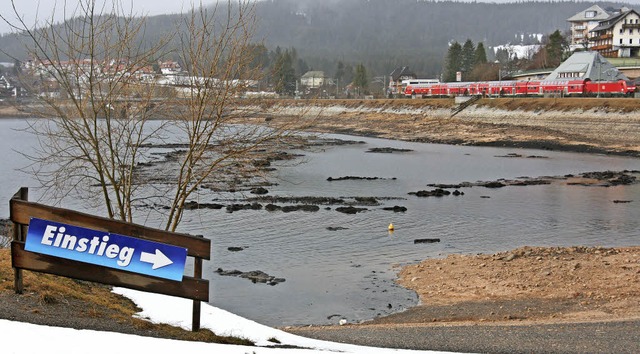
(572, 124)
(529, 284)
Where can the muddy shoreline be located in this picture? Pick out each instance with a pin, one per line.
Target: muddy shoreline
(584, 125)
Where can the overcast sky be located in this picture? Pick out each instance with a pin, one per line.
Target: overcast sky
(43, 9)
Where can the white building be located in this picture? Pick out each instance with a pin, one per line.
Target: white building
(617, 36)
(313, 79)
(583, 22)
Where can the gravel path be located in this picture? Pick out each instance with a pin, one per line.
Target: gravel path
(600, 337)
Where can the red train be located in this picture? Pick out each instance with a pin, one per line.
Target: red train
(429, 88)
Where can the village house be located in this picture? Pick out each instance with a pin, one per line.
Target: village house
(170, 67)
(617, 36)
(396, 77)
(583, 22)
(313, 79)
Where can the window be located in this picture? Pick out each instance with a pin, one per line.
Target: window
(620, 40)
(630, 41)
(630, 30)
(621, 31)
(589, 14)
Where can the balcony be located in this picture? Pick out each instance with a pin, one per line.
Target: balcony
(630, 25)
(601, 47)
(601, 37)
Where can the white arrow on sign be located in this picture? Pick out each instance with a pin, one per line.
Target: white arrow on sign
(158, 259)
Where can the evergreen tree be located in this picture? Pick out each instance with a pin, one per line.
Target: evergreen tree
(555, 49)
(360, 79)
(467, 58)
(340, 71)
(480, 55)
(551, 53)
(301, 67)
(340, 76)
(453, 62)
(284, 74)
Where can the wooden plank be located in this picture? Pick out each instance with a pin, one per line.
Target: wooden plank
(190, 288)
(22, 211)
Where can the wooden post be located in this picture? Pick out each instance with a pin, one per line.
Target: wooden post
(19, 235)
(197, 304)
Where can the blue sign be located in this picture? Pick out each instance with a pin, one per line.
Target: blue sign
(106, 249)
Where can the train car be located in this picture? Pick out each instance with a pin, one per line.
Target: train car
(531, 88)
(418, 87)
(609, 88)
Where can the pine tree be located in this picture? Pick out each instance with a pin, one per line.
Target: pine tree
(555, 49)
(360, 79)
(467, 58)
(284, 74)
(453, 62)
(480, 55)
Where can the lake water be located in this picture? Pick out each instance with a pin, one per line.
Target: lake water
(349, 273)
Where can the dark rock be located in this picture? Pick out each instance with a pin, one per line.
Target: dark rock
(306, 207)
(228, 272)
(306, 200)
(272, 207)
(236, 207)
(355, 178)
(512, 154)
(192, 205)
(350, 210)
(388, 150)
(449, 186)
(256, 276)
(235, 249)
(259, 190)
(337, 228)
(426, 240)
(366, 200)
(396, 209)
(622, 201)
(438, 192)
(494, 184)
(612, 178)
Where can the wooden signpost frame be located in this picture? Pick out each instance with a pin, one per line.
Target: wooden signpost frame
(21, 212)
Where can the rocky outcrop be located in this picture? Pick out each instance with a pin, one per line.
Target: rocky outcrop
(256, 276)
(438, 192)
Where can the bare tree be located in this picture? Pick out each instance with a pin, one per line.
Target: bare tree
(92, 79)
(216, 45)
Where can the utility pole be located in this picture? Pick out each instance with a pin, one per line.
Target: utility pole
(599, 76)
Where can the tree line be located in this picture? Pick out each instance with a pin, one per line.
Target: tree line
(470, 61)
(381, 35)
